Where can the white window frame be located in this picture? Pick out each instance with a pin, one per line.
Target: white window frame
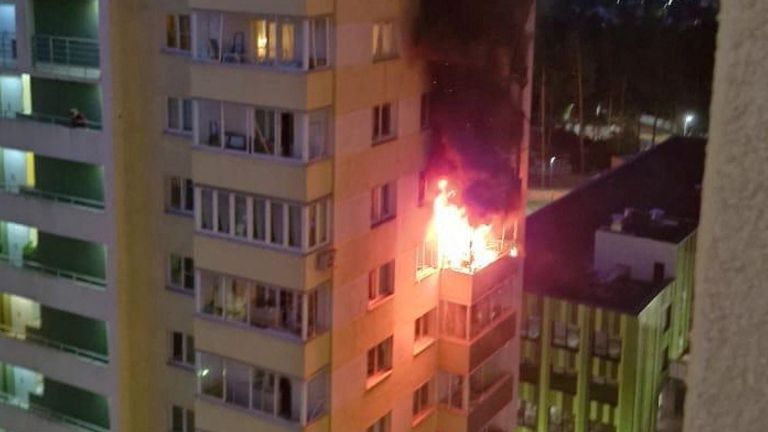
(383, 203)
(380, 30)
(186, 201)
(178, 35)
(187, 349)
(378, 134)
(183, 105)
(185, 417)
(426, 259)
(376, 292)
(381, 367)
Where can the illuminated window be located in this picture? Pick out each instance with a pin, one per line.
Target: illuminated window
(384, 41)
(182, 349)
(383, 123)
(181, 195)
(422, 400)
(379, 359)
(450, 389)
(383, 424)
(182, 419)
(424, 331)
(182, 273)
(178, 32)
(381, 282)
(383, 203)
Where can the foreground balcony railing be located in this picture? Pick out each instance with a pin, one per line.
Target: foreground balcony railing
(8, 50)
(52, 119)
(28, 264)
(8, 331)
(53, 196)
(49, 414)
(67, 55)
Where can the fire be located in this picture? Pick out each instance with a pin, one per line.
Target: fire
(460, 246)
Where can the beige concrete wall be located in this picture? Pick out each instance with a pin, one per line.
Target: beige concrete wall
(728, 380)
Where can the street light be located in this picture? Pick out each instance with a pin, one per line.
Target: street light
(689, 118)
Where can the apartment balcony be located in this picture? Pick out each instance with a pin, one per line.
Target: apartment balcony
(271, 349)
(8, 49)
(51, 136)
(482, 411)
(607, 393)
(268, 177)
(462, 355)
(215, 416)
(275, 7)
(68, 57)
(529, 372)
(563, 381)
(465, 288)
(61, 406)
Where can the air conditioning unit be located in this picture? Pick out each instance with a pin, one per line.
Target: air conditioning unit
(325, 259)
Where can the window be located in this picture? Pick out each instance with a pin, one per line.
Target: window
(384, 41)
(454, 319)
(381, 282)
(383, 203)
(526, 414)
(179, 115)
(451, 389)
(424, 331)
(182, 273)
(565, 336)
(422, 399)
(426, 259)
(383, 123)
(383, 424)
(182, 349)
(263, 306)
(424, 111)
(379, 359)
(182, 420)
(268, 221)
(178, 33)
(181, 193)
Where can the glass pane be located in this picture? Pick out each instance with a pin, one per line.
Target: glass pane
(295, 226)
(173, 114)
(176, 270)
(178, 347)
(211, 294)
(238, 383)
(259, 219)
(236, 300)
(264, 307)
(175, 193)
(241, 216)
(177, 419)
(170, 31)
(288, 42)
(189, 273)
(264, 135)
(185, 33)
(206, 218)
(263, 391)
(186, 110)
(223, 216)
(288, 149)
(277, 235)
(211, 375)
(189, 195)
(190, 350)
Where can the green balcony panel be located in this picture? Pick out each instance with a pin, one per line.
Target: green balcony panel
(71, 255)
(74, 330)
(69, 178)
(54, 99)
(73, 402)
(76, 18)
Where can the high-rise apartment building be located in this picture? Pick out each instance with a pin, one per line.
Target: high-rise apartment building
(215, 217)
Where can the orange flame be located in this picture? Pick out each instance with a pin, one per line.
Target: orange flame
(460, 246)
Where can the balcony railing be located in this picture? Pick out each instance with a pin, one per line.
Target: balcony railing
(47, 413)
(28, 264)
(53, 196)
(68, 55)
(8, 331)
(8, 50)
(52, 119)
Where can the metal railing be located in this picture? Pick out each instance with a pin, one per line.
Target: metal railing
(8, 50)
(66, 51)
(92, 356)
(48, 413)
(53, 196)
(28, 264)
(52, 119)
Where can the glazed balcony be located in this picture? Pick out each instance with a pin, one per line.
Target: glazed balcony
(467, 288)
(277, 7)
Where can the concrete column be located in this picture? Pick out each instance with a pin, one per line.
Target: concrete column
(729, 362)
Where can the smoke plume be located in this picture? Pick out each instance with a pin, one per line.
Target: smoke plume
(476, 51)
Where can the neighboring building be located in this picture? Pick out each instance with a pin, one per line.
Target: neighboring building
(596, 350)
(228, 232)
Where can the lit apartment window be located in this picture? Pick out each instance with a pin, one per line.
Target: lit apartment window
(384, 424)
(379, 360)
(178, 33)
(424, 111)
(384, 41)
(424, 331)
(422, 400)
(272, 222)
(426, 259)
(179, 115)
(182, 420)
(384, 124)
(181, 195)
(263, 40)
(381, 282)
(182, 349)
(262, 131)
(261, 390)
(182, 273)
(264, 306)
(383, 203)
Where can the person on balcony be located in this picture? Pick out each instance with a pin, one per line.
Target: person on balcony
(76, 118)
